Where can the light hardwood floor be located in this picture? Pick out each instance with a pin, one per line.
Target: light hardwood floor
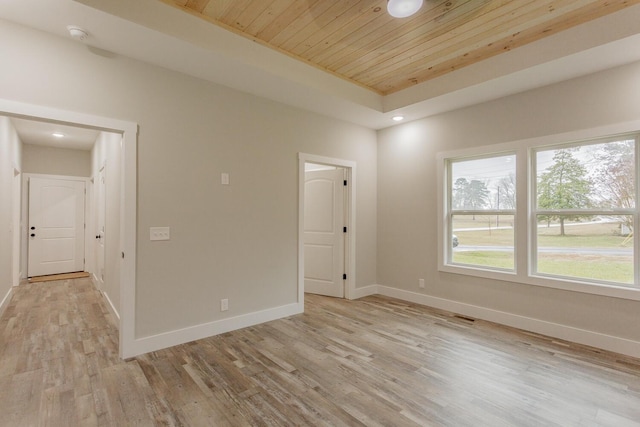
(376, 361)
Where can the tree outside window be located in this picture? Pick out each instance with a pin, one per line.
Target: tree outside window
(585, 206)
(564, 185)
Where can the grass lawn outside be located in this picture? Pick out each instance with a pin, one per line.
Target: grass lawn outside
(609, 268)
(485, 259)
(587, 265)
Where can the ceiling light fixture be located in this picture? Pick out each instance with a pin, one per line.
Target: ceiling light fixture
(397, 118)
(77, 32)
(403, 8)
(58, 134)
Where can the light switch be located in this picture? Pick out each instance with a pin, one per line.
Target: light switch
(159, 233)
(224, 178)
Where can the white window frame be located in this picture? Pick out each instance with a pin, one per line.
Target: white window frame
(524, 232)
(451, 212)
(535, 211)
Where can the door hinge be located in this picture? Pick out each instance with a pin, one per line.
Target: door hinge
(345, 182)
(344, 276)
(344, 229)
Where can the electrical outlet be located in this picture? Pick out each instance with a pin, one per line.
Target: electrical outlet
(224, 178)
(159, 233)
(224, 304)
(421, 283)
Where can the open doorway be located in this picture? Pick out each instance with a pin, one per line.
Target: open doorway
(124, 269)
(326, 222)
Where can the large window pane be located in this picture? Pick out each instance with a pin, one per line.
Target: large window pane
(598, 248)
(595, 176)
(484, 184)
(581, 210)
(483, 240)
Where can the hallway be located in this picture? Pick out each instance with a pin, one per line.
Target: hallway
(59, 355)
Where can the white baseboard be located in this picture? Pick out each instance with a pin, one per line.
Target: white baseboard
(556, 330)
(6, 300)
(365, 291)
(205, 330)
(111, 307)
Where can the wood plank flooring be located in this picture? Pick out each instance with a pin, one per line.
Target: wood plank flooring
(371, 362)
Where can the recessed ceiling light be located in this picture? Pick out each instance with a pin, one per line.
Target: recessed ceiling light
(403, 8)
(58, 134)
(397, 118)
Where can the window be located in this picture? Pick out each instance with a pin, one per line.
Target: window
(584, 211)
(545, 212)
(481, 215)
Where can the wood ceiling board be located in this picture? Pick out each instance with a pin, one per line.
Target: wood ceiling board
(387, 39)
(293, 13)
(358, 41)
(275, 9)
(489, 28)
(196, 5)
(344, 45)
(298, 24)
(409, 42)
(460, 43)
(343, 25)
(420, 73)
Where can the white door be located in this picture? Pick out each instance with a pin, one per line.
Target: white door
(56, 226)
(101, 194)
(323, 232)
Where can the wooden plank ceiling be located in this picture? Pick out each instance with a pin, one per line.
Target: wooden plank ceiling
(359, 41)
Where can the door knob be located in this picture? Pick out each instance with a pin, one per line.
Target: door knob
(33, 235)
(98, 237)
(33, 228)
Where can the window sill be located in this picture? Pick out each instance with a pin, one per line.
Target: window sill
(607, 290)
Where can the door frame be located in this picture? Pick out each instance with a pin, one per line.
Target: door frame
(128, 346)
(98, 192)
(350, 206)
(16, 226)
(25, 213)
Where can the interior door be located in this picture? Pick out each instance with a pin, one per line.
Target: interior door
(56, 226)
(101, 194)
(323, 232)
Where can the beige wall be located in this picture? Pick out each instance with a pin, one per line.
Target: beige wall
(407, 196)
(56, 161)
(10, 159)
(237, 242)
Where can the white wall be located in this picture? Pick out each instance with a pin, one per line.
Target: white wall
(407, 194)
(107, 153)
(10, 159)
(56, 161)
(238, 241)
